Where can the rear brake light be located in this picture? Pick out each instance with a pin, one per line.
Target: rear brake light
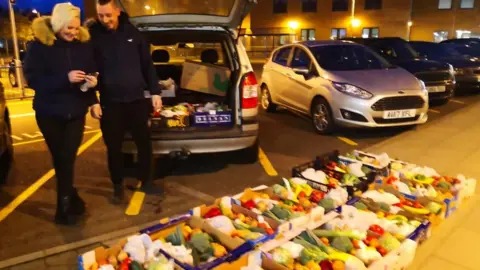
(249, 91)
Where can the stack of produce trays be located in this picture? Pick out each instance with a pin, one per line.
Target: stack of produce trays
(332, 171)
(187, 242)
(295, 203)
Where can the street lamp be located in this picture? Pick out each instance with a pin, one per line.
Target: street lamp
(410, 23)
(293, 25)
(34, 11)
(356, 23)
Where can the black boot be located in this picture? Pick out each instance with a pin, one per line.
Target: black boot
(78, 205)
(64, 216)
(118, 194)
(151, 189)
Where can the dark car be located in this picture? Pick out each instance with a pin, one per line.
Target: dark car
(437, 76)
(465, 49)
(467, 69)
(473, 42)
(12, 75)
(6, 145)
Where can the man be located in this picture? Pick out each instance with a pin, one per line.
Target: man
(126, 72)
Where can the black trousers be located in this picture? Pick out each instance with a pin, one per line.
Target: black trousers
(63, 137)
(117, 119)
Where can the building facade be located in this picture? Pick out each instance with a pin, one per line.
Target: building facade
(410, 19)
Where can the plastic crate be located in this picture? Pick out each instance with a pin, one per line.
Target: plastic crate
(319, 164)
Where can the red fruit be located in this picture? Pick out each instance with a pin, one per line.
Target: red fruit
(377, 229)
(382, 251)
(270, 231)
(417, 205)
(326, 265)
(302, 195)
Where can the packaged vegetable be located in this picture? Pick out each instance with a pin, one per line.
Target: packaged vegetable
(389, 242)
(293, 248)
(342, 243)
(312, 254)
(328, 204)
(282, 256)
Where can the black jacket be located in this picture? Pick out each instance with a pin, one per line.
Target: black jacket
(124, 62)
(47, 64)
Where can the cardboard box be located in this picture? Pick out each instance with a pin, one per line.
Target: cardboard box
(205, 78)
(177, 121)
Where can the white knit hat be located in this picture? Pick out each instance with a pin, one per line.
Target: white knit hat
(62, 14)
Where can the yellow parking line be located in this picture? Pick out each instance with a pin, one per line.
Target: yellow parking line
(267, 165)
(136, 202)
(347, 141)
(41, 140)
(7, 210)
(434, 111)
(457, 101)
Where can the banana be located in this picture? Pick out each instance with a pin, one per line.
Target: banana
(397, 217)
(420, 211)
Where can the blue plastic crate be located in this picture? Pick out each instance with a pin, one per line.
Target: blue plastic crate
(205, 119)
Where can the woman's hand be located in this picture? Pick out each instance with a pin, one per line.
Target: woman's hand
(91, 81)
(76, 76)
(96, 111)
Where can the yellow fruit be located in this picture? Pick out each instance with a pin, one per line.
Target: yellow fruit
(121, 256)
(218, 250)
(311, 265)
(254, 223)
(94, 266)
(241, 217)
(380, 214)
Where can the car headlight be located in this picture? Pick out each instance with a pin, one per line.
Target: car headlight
(423, 87)
(352, 90)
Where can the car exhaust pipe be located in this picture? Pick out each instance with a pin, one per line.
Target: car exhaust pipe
(182, 154)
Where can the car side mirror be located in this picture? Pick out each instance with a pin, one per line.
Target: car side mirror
(302, 71)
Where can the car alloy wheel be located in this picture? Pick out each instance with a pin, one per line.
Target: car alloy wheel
(320, 117)
(265, 99)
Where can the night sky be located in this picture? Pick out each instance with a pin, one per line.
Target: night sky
(41, 5)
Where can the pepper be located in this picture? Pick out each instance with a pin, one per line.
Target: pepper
(317, 196)
(125, 264)
(377, 229)
(250, 204)
(214, 212)
(301, 195)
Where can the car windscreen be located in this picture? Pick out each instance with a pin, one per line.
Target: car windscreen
(437, 50)
(348, 57)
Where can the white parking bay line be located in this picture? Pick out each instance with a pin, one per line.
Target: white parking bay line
(434, 111)
(17, 138)
(457, 101)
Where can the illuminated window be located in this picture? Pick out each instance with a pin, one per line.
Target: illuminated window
(309, 5)
(338, 33)
(370, 32)
(440, 36)
(467, 3)
(280, 6)
(464, 33)
(444, 4)
(373, 4)
(308, 34)
(339, 5)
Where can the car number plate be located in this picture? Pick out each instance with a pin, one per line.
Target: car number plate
(398, 114)
(436, 89)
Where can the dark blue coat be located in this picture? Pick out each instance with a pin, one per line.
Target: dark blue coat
(47, 64)
(124, 61)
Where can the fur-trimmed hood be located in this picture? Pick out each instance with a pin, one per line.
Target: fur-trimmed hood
(43, 32)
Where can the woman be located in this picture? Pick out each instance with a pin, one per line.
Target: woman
(60, 67)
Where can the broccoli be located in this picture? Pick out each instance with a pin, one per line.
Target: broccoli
(328, 204)
(342, 243)
(384, 207)
(360, 206)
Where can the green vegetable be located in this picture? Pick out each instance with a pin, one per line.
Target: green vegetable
(342, 243)
(281, 213)
(349, 179)
(309, 237)
(360, 206)
(200, 242)
(420, 177)
(281, 256)
(328, 204)
(176, 238)
(389, 242)
(135, 266)
(279, 190)
(271, 215)
(312, 254)
(348, 234)
(434, 207)
(444, 185)
(384, 207)
(351, 156)
(366, 170)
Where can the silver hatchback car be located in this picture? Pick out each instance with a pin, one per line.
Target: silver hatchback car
(342, 83)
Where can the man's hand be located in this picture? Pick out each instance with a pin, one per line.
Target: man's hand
(157, 102)
(96, 111)
(76, 76)
(91, 81)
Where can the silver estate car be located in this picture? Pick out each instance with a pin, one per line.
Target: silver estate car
(342, 83)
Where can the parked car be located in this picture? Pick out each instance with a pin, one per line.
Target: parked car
(474, 42)
(179, 35)
(437, 76)
(6, 145)
(12, 75)
(342, 83)
(465, 50)
(467, 69)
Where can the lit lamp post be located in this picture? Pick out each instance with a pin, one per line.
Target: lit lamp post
(34, 11)
(293, 25)
(409, 30)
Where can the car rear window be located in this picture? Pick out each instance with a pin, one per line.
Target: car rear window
(212, 53)
(348, 57)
